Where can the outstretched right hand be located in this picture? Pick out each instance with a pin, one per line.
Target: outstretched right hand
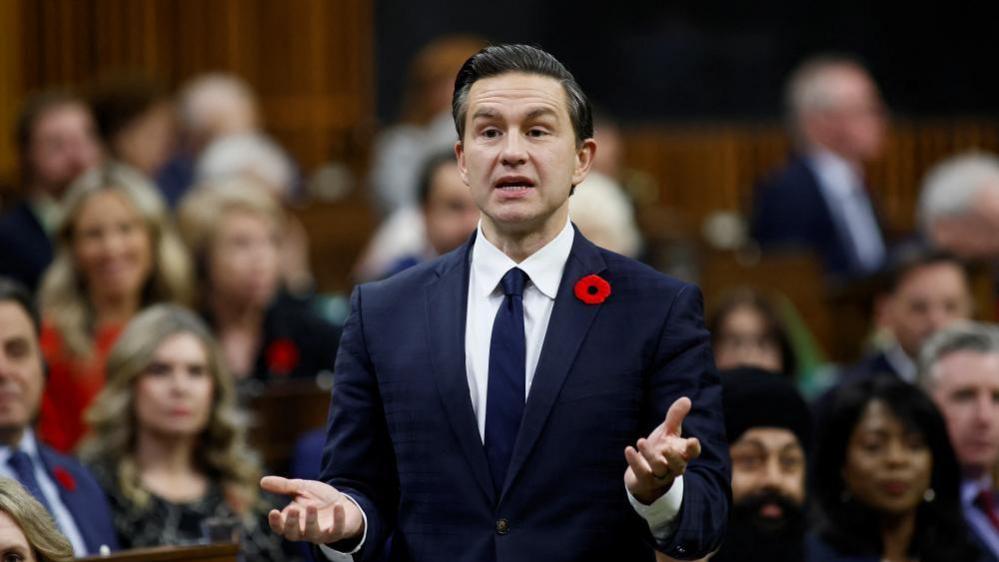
(329, 516)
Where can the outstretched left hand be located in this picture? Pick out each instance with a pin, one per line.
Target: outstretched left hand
(655, 461)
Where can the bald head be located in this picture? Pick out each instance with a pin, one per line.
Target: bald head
(216, 105)
(959, 205)
(833, 104)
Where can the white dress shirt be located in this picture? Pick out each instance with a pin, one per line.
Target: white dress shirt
(60, 513)
(843, 189)
(544, 269)
(901, 362)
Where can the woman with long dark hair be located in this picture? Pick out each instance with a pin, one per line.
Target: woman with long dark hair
(885, 480)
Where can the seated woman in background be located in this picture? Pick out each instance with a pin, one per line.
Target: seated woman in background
(168, 445)
(233, 228)
(746, 331)
(27, 531)
(116, 253)
(886, 481)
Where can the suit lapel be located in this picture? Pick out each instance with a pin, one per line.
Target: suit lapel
(570, 321)
(75, 501)
(447, 303)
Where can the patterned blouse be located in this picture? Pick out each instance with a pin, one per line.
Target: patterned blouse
(161, 522)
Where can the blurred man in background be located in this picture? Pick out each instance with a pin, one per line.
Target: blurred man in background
(819, 202)
(959, 206)
(449, 212)
(927, 291)
(56, 142)
(769, 434)
(959, 369)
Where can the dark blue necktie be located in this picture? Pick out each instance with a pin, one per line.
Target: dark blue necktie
(24, 471)
(507, 357)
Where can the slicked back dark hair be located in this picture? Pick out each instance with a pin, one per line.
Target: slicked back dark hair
(501, 59)
(908, 258)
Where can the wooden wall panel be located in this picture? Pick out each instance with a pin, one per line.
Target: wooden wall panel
(11, 88)
(309, 60)
(711, 168)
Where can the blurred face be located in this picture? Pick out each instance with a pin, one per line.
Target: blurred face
(146, 143)
(450, 212)
(973, 234)
(173, 396)
(62, 146)
(927, 299)
(519, 154)
(768, 459)
(21, 377)
(13, 544)
(887, 467)
(244, 258)
(112, 246)
(853, 123)
(743, 342)
(965, 386)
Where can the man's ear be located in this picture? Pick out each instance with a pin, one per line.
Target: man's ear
(585, 153)
(459, 155)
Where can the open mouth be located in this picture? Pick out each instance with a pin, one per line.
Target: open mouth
(514, 183)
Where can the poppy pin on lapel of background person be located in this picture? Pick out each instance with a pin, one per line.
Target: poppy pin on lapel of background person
(64, 478)
(592, 289)
(282, 357)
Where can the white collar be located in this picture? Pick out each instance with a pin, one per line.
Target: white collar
(835, 172)
(903, 364)
(26, 444)
(971, 487)
(543, 267)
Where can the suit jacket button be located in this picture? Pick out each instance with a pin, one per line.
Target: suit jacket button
(502, 527)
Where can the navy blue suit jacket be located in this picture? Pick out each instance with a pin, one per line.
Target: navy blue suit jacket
(25, 247)
(790, 211)
(402, 437)
(83, 497)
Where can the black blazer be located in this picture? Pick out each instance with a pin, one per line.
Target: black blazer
(791, 212)
(25, 247)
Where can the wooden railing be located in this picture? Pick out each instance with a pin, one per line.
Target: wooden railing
(207, 553)
(310, 61)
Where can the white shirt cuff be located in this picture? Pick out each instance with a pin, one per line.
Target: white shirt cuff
(661, 514)
(336, 555)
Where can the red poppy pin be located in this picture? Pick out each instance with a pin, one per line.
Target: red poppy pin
(282, 357)
(592, 289)
(64, 478)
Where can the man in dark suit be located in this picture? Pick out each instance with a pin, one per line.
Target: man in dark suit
(819, 202)
(487, 404)
(59, 482)
(926, 291)
(56, 143)
(959, 370)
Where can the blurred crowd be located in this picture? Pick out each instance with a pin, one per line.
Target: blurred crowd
(155, 279)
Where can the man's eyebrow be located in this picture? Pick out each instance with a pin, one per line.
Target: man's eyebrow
(751, 442)
(484, 112)
(792, 446)
(541, 112)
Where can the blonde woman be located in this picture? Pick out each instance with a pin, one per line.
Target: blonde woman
(167, 443)
(233, 228)
(117, 252)
(27, 531)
